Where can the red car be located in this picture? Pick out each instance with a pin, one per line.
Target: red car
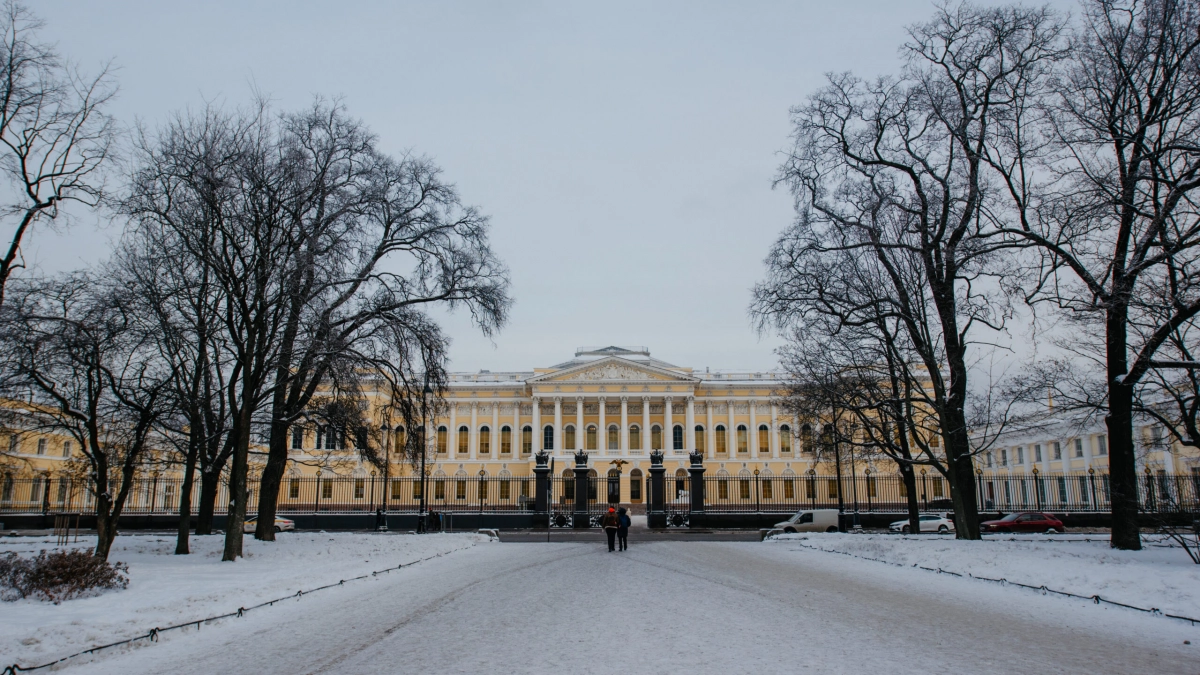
(1029, 521)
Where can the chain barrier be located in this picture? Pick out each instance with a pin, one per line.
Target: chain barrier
(153, 634)
(1096, 599)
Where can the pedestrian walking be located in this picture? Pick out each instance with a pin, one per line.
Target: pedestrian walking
(610, 523)
(623, 523)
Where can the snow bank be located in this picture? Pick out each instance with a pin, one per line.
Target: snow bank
(167, 589)
(1157, 576)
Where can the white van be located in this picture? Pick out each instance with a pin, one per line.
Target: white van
(817, 520)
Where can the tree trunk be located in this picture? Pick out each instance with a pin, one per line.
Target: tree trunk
(1122, 465)
(106, 527)
(914, 506)
(236, 516)
(210, 483)
(272, 479)
(182, 545)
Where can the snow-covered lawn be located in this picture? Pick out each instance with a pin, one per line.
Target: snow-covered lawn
(166, 589)
(1157, 576)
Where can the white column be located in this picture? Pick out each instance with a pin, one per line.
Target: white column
(452, 437)
(473, 434)
(753, 441)
(558, 438)
(668, 433)
(517, 445)
(624, 425)
(578, 423)
(495, 448)
(774, 431)
(537, 424)
(689, 431)
(646, 423)
(710, 437)
(601, 429)
(731, 434)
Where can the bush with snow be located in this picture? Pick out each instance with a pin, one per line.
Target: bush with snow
(58, 575)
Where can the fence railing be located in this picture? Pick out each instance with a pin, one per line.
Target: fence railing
(722, 494)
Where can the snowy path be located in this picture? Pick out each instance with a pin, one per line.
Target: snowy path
(707, 607)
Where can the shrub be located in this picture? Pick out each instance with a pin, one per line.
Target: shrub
(58, 575)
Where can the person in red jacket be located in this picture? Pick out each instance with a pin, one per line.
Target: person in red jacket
(609, 523)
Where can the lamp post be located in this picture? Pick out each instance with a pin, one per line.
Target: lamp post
(757, 494)
(812, 487)
(867, 471)
(1037, 488)
(925, 489)
(979, 484)
(425, 392)
(482, 492)
(1092, 482)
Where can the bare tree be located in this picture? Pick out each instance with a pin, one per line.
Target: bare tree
(88, 363)
(55, 135)
(1114, 213)
(895, 172)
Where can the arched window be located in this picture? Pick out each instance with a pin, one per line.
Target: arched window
(635, 437)
(700, 438)
(677, 437)
(614, 486)
(464, 439)
(441, 440)
(743, 438)
(569, 437)
(764, 438)
(401, 437)
(506, 440)
(635, 486)
(485, 440)
(526, 440)
(297, 437)
(656, 437)
(722, 445)
(591, 437)
(614, 437)
(548, 437)
(806, 433)
(680, 484)
(785, 439)
(568, 483)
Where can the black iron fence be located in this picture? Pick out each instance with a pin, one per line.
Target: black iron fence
(1164, 493)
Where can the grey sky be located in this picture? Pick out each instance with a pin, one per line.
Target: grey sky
(624, 151)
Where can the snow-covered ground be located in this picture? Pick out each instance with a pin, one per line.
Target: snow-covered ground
(166, 589)
(1158, 576)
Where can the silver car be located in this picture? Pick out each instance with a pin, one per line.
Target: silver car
(930, 522)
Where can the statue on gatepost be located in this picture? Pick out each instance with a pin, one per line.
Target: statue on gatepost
(656, 457)
(542, 458)
(697, 458)
(581, 458)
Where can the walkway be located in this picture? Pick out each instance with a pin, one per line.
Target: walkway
(666, 607)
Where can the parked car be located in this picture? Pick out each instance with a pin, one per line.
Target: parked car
(930, 522)
(281, 525)
(817, 520)
(1029, 521)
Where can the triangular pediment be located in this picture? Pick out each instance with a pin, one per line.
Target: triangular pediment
(613, 369)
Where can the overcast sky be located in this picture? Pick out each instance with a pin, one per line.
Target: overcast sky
(625, 152)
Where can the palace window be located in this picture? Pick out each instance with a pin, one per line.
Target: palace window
(810, 488)
(635, 485)
(871, 486)
(833, 488)
(569, 437)
(327, 489)
(505, 489)
(789, 488)
(568, 485)
(938, 490)
(1003, 456)
(720, 438)
(548, 437)
(700, 438)
(398, 489)
(41, 446)
(722, 489)
(401, 437)
(806, 434)
(1057, 450)
(297, 438)
(591, 437)
(442, 433)
(416, 489)
(483, 488)
(460, 489)
(464, 438)
(526, 440)
(506, 440)
(677, 437)
(680, 483)
(656, 437)
(614, 437)
(785, 439)
(766, 488)
(744, 488)
(360, 488)
(485, 440)
(66, 448)
(635, 437)
(764, 438)
(1102, 446)
(439, 489)
(743, 439)
(294, 488)
(1079, 447)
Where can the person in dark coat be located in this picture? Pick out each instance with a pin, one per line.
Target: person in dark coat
(623, 523)
(610, 528)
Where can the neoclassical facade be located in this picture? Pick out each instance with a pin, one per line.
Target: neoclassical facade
(617, 404)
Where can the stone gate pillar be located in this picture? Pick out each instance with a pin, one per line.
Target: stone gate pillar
(656, 516)
(697, 489)
(541, 490)
(580, 510)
